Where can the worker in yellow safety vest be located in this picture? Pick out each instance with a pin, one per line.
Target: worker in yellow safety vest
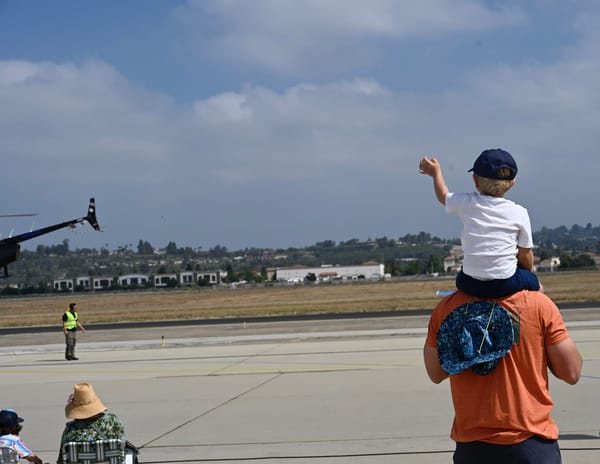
(70, 326)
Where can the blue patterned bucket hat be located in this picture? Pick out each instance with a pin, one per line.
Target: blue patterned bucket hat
(475, 335)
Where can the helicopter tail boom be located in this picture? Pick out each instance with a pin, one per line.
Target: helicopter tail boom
(9, 247)
(91, 215)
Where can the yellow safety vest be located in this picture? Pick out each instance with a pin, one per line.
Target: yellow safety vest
(71, 322)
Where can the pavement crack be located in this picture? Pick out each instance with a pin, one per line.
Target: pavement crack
(243, 360)
(208, 411)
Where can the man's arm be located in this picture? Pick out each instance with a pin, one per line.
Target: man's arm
(64, 324)
(432, 364)
(431, 167)
(525, 258)
(564, 361)
(80, 326)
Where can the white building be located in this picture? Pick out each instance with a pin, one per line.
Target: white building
(63, 285)
(162, 280)
(133, 280)
(101, 283)
(210, 278)
(369, 270)
(549, 264)
(186, 277)
(83, 282)
(454, 261)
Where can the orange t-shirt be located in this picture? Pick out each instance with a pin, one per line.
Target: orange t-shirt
(511, 403)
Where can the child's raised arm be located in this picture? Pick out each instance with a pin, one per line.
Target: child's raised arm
(431, 167)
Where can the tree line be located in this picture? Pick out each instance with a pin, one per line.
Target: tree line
(410, 254)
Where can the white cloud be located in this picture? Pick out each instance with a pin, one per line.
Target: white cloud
(312, 158)
(87, 116)
(91, 117)
(229, 106)
(315, 37)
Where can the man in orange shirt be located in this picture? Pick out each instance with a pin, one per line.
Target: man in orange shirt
(502, 412)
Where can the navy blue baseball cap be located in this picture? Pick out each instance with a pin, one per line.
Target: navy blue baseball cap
(490, 162)
(9, 418)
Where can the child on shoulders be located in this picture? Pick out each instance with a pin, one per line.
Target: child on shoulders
(496, 237)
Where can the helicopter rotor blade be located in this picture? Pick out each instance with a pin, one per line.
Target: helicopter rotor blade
(18, 215)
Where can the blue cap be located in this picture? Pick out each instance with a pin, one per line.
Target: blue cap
(475, 335)
(9, 418)
(489, 163)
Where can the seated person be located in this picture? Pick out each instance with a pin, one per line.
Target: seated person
(91, 421)
(10, 426)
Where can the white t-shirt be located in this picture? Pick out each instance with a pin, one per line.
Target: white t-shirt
(492, 229)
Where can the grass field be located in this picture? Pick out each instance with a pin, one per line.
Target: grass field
(227, 302)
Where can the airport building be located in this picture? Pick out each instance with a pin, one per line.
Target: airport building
(295, 274)
(137, 280)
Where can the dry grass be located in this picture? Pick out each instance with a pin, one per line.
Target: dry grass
(206, 303)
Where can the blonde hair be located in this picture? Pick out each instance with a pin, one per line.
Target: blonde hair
(493, 187)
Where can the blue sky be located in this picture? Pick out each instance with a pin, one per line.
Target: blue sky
(278, 123)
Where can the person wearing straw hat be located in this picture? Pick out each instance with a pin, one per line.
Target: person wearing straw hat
(91, 421)
(10, 426)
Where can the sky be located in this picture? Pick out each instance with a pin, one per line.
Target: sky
(281, 123)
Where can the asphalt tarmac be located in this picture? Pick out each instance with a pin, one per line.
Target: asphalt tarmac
(318, 392)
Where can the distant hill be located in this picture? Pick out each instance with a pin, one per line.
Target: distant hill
(575, 240)
(407, 255)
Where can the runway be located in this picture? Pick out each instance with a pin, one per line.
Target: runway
(303, 393)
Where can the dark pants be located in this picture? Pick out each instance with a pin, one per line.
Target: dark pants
(70, 340)
(534, 450)
(497, 288)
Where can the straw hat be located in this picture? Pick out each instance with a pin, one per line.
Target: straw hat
(83, 403)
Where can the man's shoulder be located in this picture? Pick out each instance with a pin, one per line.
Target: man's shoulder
(527, 297)
(515, 300)
(455, 299)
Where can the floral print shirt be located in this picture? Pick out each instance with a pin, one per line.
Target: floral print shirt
(98, 428)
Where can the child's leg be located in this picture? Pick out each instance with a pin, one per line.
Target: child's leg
(497, 288)
(475, 287)
(526, 280)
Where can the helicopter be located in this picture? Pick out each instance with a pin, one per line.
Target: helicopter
(10, 247)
